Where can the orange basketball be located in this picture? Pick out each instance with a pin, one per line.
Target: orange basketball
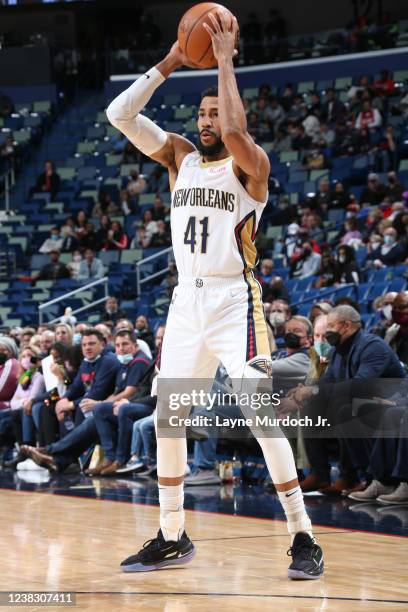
(194, 40)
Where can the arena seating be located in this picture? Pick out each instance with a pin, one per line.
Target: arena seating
(87, 152)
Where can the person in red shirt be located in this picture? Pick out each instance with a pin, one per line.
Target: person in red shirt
(117, 239)
(384, 86)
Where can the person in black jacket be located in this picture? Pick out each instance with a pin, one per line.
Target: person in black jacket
(347, 270)
(359, 363)
(390, 253)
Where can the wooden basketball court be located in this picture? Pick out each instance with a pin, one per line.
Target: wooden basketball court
(59, 543)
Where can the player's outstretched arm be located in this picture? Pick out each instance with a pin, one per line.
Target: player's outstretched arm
(250, 158)
(124, 114)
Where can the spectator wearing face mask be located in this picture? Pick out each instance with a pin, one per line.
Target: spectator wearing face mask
(279, 314)
(305, 262)
(291, 365)
(383, 307)
(316, 448)
(347, 270)
(54, 243)
(394, 188)
(390, 253)
(397, 334)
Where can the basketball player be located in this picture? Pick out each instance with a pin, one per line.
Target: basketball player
(219, 191)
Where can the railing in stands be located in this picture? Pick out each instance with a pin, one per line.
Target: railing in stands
(7, 182)
(326, 293)
(141, 281)
(100, 281)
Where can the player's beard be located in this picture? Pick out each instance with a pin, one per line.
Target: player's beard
(210, 150)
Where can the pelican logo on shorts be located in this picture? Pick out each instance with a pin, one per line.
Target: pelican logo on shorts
(199, 282)
(262, 365)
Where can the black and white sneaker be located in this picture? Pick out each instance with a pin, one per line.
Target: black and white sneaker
(307, 558)
(158, 553)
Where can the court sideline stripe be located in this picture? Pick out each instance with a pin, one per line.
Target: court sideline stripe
(259, 595)
(256, 518)
(269, 535)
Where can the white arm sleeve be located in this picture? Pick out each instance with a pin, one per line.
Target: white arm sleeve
(123, 113)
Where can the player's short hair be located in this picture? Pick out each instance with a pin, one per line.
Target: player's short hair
(210, 92)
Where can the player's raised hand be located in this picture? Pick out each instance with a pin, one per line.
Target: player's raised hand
(224, 34)
(178, 57)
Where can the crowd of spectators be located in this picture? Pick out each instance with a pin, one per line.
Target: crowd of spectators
(103, 393)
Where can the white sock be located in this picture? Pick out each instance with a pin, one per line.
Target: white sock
(294, 507)
(171, 500)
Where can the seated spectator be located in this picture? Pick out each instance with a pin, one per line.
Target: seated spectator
(143, 331)
(279, 314)
(374, 193)
(146, 228)
(276, 113)
(80, 222)
(30, 384)
(290, 366)
(116, 239)
(90, 268)
(101, 234)
(54, 243)
(325, 136)
(319, 309)
(382, 306)
(282, 142)
(266, 271)
(93, 382)
(53, 270)
(136, 184)
(46, 342)
(159, 211)
(74, 265)
(323, 194)
(327, 271)
(126, 203)
(390, 253)
(397, 334)
(158, 180)
(27, 334)
(69, 240)
(339, 197)
(87, 238)
(312, 125)
(300, 140)
(104, 206)
(64, 334)
(161, 237)
(352, 236)
(332, 109)
(298, 110)
(9, 371)
(115, 416)
(394, 188)
(384, 86)
(305, 261)
(369, 117)
(274, 290)
(111, 311)
(143, 345)
(48, 181)
(347, 270)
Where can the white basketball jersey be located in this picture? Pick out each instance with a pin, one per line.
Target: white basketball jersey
(213, 219)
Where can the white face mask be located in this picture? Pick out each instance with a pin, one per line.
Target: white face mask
(277, 319)
(342, 258)
(387, 312)
(375, 245)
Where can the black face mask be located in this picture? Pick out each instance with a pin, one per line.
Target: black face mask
(333, 338)
(292, 340)
(3, 358)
